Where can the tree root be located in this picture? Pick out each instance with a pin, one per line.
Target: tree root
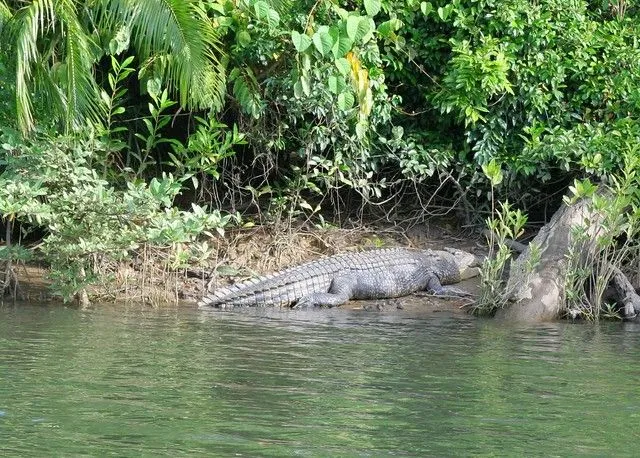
(626, 294)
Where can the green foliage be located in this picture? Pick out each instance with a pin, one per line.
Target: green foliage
(505, 226)
(325, 88)
(7, 91)
(544, 88)
(484, 99)
(50, 184)
(57, 44)
(310, 93)
(113, 101)
(206, 149)
(151, 137)
(605, 243)
(493, 171)
(477, 77)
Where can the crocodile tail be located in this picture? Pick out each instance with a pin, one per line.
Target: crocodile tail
(240, 292)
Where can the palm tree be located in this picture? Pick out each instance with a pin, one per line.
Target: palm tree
(54, 46)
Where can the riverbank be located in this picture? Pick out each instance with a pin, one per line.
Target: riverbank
(246, 252)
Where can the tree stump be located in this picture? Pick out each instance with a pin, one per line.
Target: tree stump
(538, 295)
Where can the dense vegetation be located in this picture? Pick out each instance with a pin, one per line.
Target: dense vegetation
(273, 110)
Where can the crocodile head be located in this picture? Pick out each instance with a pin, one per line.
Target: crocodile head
(467, 265)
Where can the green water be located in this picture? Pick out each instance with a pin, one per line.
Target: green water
(135, 381)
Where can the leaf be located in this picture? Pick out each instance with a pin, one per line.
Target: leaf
(274, 18)
(300, 41)
(112, 76)
(372, 7)
(243, 38)
(332, 82)
(366, 102)
(218, 8)
(426, 8)
(343, 66)
(444, 13)
(105, 98)
(357, 27)
(361, 129)
(342, 43)
(352, 26)
(384, 29)
(306, 205)
(148, 125)
(306, 62)
(262, 9)
(493, 171)
(388, 28)
(306, 86)
(120, 41)
(266, 14)
(397, 132)
(153, 87)
(126, 63)
(345, 100)
(323, 42)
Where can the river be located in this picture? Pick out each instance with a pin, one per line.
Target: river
(178, 381)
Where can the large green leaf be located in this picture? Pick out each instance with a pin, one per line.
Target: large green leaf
(300, 41)
(345, 100)
(265, 13)
(342, 65)
(323, 41)
(372, 7)
(426, 8)
(336, 85)
(342, 44)
(261, 9)
(388, 28)
(357, 27)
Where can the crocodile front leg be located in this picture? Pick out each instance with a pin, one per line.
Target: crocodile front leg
(434, 286)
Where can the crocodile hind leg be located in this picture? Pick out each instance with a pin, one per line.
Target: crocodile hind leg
(340, 291)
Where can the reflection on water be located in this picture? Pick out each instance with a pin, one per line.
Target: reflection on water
(133, 381)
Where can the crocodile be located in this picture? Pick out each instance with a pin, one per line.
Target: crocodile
(334, 280)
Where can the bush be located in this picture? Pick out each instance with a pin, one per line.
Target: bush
(50, 185)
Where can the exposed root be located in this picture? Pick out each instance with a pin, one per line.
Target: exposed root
(627, 296)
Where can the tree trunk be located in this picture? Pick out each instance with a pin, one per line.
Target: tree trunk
(538, 295)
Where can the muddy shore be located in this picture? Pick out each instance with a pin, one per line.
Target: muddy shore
(244, 253)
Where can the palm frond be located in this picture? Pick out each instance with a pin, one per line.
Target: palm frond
(5, 15)
(180, 30)
(77, 80)
(49, 93)
(28, 24)
(49, 37)
(281, 6)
